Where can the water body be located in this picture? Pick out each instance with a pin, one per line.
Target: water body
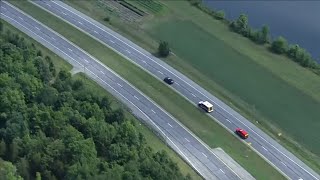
(297, 21)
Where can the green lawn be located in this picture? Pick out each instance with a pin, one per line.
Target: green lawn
(203, 126)
(282, 96)
(151, 139)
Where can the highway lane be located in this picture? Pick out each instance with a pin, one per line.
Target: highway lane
(195, 152)
(268, 148)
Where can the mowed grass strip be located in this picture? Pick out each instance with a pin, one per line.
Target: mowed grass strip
(203, 126)
(279, 66)
(152, 140)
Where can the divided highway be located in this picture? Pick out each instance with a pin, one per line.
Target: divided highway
(195, 152)
(263, 144)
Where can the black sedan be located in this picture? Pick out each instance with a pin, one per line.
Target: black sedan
(168, 80)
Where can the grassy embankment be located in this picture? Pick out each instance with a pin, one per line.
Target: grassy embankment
(281, 95)
(152, 140)
(195, 120)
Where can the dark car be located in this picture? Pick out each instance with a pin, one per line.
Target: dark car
(168, 80)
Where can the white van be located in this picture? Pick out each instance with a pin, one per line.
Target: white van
(206, 106)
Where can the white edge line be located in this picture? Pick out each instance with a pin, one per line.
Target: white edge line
(181, 153)
(190, 86)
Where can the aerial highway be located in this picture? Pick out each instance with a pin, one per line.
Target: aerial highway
(264, 145)
(188, 146)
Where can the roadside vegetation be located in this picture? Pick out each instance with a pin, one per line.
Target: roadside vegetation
(267, 88)
(199, 123)
(164, 49)
(57, 126)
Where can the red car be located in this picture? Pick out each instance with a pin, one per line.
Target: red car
(242, 133)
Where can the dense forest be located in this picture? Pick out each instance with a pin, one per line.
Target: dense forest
(54, 127)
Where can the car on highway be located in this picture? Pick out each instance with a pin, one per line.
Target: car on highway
(242, 133)
(168, 80)
(205, 105)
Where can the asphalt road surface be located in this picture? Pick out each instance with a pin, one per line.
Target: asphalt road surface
(195, 152)
(263, 144)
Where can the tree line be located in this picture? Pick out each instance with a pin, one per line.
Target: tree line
(53, 126)
(262, 37)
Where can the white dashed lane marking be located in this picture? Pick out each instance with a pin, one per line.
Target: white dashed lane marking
(204, 155)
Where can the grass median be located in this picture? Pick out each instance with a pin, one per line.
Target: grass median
(152, 140)
(203, 126)
(281, 81)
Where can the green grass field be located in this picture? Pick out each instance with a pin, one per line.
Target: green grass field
(283, 97)
(151, 139)
(203, 126)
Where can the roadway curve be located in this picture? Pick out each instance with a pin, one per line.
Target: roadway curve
(264, 145)
(188, 146)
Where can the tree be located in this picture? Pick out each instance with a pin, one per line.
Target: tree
(8, 171)
(220, 15)
(264, 34)
(77, 84)
(163, 49)
(293, 51)
(48, 95)
(107, 19)
(241, 25)
(3, 148)
(279, 45)
(38, 176)
(14, 151)
(1, 26)
(64, 75)
(23, 168)
(195, 2)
